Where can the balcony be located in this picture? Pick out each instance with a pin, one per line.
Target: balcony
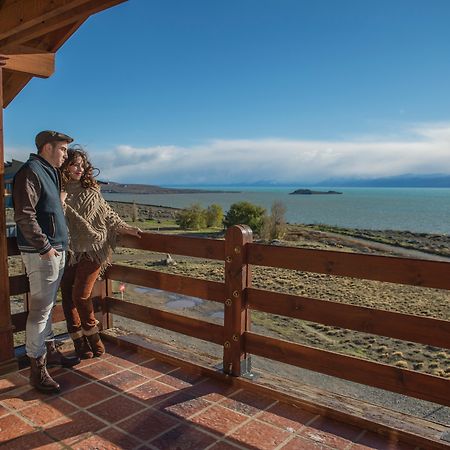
(145, 393)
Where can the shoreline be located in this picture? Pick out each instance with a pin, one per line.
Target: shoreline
(428, 243)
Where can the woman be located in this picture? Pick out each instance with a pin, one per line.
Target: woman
(93, 228)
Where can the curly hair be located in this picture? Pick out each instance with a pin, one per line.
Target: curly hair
(87, 179)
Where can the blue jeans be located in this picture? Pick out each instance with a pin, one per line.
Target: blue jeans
(44, 276)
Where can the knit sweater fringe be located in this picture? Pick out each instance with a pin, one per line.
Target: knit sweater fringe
(93, 225)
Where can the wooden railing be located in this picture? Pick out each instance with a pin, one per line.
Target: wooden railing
(238, 296)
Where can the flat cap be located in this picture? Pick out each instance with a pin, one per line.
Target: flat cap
(44, 137)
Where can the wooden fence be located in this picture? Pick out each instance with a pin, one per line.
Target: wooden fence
(238, 296)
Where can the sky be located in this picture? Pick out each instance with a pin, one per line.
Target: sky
(176, 92)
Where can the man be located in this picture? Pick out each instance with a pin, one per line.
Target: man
(42, 240)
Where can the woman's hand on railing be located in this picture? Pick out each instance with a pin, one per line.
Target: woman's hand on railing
(131, 231)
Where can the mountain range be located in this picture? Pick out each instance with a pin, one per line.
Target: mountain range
(406, 180)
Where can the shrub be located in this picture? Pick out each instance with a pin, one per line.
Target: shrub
(245, 213)
(274, 226)
(214, 215)
(191, 218)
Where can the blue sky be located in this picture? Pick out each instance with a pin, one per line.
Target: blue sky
(207, 91)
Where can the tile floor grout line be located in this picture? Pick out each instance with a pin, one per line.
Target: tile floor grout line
(221, 437)
(122, 392)
(172, 394)
(88, 433)
(115, 394)
(11, 409)
(360, 435)
(147, 407)
(26, 420)
(207, 408)
(115, 427)
(85, 409)
(224, 439)
(127, 367)
(285, 442)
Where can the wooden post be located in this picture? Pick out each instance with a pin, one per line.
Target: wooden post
(8, 362)
(236, 317)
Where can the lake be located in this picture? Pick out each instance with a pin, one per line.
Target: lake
(425, 210)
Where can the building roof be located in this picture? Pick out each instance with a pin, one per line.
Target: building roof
(11, 168)
(32, 31)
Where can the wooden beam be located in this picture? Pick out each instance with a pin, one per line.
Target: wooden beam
(29, 60)
(13, 83)
(30, 19)
(6, 331)
(59, 37)
(194, 287)
(406, 382)
(178, 245)
(189, 326)
(414, 272)
(424, 330)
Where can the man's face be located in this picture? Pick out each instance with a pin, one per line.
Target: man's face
(55, 152)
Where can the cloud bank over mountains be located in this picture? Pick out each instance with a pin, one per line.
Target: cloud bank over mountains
(423, 149)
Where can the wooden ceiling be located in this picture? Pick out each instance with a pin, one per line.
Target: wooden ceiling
(32, 31)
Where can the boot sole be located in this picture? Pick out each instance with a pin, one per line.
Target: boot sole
(48, 391)
(67, 366)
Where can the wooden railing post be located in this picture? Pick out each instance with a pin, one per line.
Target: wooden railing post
(236, 315)
(7, 359)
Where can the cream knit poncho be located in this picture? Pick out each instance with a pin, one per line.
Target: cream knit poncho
(92, 223)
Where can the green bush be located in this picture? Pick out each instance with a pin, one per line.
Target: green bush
(214, 215)
(191, 218)
(245, 213)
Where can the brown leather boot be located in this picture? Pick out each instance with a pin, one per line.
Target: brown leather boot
(57, 359)
(96, 344)
(82, 348)
(40, 378)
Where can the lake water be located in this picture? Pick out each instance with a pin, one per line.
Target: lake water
(424, 210)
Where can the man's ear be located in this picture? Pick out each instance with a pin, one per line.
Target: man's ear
(45, 149)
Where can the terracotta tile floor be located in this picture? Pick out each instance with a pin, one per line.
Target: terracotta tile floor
(126, 400)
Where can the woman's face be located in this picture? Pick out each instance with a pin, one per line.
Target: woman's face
(76, 168)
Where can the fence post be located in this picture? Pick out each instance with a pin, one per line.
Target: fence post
(236, 315)
(7, 359)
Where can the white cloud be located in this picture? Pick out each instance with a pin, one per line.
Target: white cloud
(422, 149)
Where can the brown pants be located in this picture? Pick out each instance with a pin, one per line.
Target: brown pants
(76, 288)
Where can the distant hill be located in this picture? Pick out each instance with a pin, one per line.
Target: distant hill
(124, 188)
(407, 180)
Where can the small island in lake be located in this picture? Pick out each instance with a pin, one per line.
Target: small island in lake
(310, 192)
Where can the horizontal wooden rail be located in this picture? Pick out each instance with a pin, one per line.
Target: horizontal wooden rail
(415, 272)
(178, 245)
(194, 287)
(423, 330)
(185, 325)
(18, 284)
(19, 320)
(407, 382)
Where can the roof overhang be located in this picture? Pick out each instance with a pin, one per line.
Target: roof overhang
(32, 31)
